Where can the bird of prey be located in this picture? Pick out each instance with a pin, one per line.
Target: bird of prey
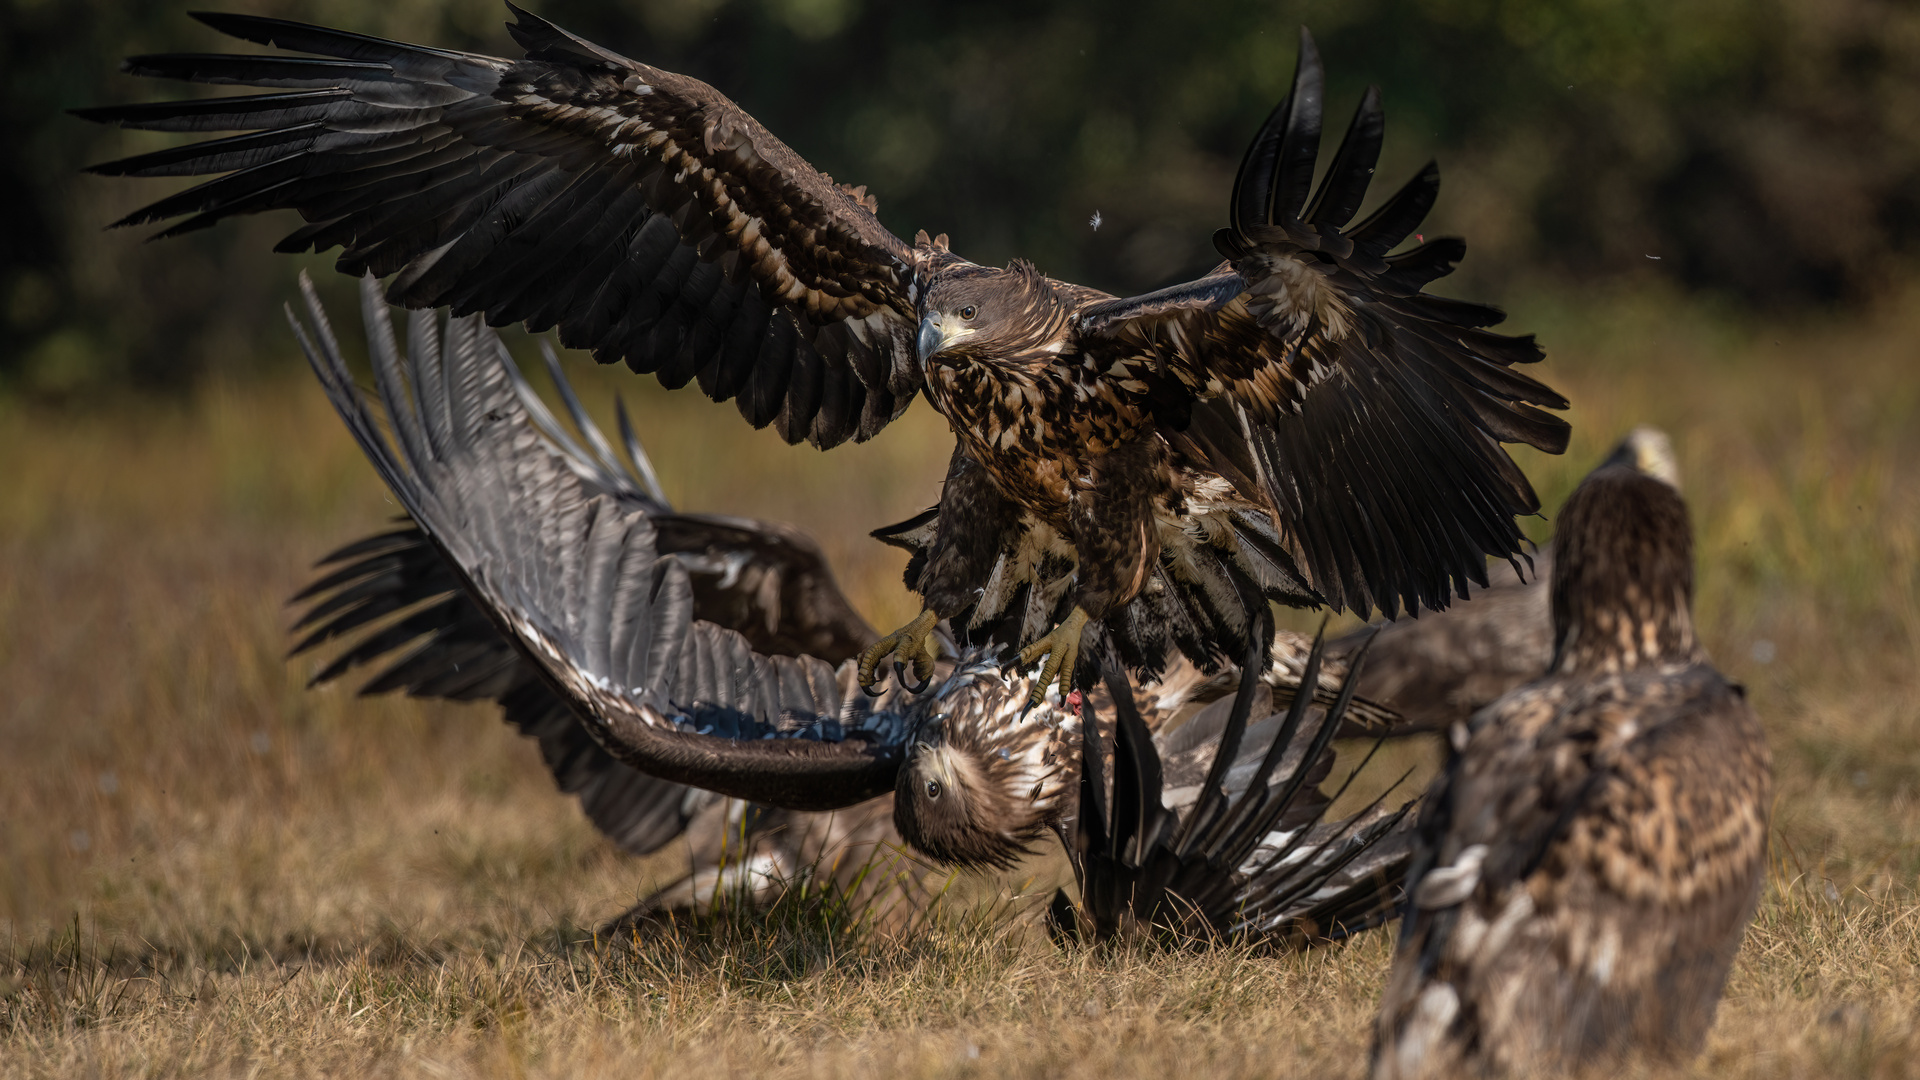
(1440, 668)
(538, 572)
(1588, 861)
(1302, 424)
(1219, 830)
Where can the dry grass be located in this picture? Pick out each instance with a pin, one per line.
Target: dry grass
(209, 869)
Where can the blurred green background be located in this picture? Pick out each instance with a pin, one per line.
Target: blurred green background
(1762, 154)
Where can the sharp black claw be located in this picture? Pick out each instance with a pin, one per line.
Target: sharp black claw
(875, 690)
(900, 672)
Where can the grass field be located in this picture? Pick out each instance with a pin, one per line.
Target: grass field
(210, 870)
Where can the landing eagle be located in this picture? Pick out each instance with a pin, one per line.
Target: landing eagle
(1302, 424)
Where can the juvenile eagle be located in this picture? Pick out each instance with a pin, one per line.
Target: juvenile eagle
(653, 653)
(1588, 861)
(1302, 424)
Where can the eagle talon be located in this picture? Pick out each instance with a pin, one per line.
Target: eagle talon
(900, 673)
(1061, 647)
(912, 643)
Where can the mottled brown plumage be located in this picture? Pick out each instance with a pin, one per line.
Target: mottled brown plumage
(1591, 856)
(1302, 425)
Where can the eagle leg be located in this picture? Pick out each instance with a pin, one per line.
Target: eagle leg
(912, 644)
(1061, 647)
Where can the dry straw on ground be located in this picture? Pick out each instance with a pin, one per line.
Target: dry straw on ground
(209, 870)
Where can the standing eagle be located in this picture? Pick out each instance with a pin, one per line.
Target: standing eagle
(1587, 863)
(1302, 425)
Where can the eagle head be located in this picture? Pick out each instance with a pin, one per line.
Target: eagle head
(984, 313)
(1622, 589)
(985, 775)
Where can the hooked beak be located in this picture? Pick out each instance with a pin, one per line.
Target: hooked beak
(939, 331)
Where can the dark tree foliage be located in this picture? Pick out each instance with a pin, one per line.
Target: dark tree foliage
(1764, 150)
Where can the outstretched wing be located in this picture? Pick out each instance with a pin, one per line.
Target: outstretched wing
(766, 580)
(448, 648)
(577, 582)
(1228, 835)
(1368, 414)
(640, 211)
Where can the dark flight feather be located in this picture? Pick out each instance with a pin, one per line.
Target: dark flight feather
(1250, 859)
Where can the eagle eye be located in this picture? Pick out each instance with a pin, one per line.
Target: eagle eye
(933, 789)
(968, 312)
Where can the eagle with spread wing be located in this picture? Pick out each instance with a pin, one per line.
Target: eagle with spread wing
(1303, 424)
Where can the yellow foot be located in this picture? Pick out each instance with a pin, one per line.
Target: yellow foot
(912, 644)
(1061, 647)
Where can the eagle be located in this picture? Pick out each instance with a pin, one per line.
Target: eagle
(1443, 667)
(1588, 861)
(661, 659)
(1302, 425)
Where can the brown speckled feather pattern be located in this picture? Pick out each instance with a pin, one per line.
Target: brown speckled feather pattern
(1305, 425)
(1438, 668)
(1591, 856)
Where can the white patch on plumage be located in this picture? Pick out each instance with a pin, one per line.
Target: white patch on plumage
(1447, 886)
(1425, 1031)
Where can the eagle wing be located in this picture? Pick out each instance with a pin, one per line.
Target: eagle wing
(1313, 372)
(579, 585)
(640, 211)
(764, 579)
(1443, 666)
(1229, 835)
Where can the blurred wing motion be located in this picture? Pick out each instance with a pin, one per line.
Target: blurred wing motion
(568, 567)
(639, 211)
(1219, 828)
(1587, 863)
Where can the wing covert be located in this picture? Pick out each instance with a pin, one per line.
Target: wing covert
(641, 212)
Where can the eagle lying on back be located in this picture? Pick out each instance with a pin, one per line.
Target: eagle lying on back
(1301, 425)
